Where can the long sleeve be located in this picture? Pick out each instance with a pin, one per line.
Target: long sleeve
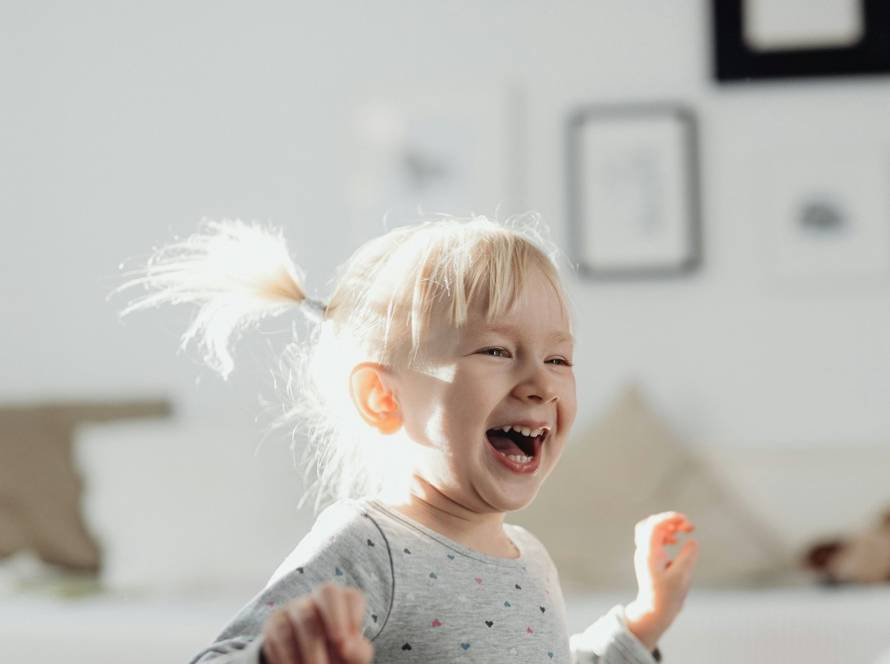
(344, 546)
(609, 641)
(606, 641)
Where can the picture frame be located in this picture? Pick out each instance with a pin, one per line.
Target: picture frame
(823, 228)
(414, 154)
(633, 192)
(760, 39)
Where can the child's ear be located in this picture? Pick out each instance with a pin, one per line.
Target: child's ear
(376, 404)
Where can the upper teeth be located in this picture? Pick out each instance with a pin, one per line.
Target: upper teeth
(523, 430)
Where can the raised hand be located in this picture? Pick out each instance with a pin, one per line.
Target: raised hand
(663, 583)
(323, 627)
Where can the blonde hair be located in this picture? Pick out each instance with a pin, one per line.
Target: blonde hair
(386, 297)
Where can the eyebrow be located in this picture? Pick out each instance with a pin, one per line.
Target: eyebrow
(555, 335)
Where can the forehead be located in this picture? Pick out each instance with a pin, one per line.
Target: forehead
(539, 300)
(537, 312)
(554, 335)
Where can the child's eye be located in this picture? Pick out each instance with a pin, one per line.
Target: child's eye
(487, 351)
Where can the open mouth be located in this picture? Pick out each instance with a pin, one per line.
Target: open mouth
(515, 445)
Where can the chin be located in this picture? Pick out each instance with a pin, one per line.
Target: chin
(514, 503)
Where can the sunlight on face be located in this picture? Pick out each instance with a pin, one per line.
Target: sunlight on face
(443, 372)
(482, 376)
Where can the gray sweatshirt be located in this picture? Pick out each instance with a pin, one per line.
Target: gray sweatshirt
(430, 599)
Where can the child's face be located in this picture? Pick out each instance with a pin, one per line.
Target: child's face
(467, 389)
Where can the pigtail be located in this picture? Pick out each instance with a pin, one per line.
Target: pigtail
(236, 273)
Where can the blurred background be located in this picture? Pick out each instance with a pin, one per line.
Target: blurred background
(716, 174)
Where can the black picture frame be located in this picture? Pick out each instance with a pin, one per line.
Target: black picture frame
(581, 231)
(735, 62)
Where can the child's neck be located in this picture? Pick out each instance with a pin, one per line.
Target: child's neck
(483, 532)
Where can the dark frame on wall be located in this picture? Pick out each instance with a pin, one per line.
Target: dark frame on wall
(649, 150)
(735, 61)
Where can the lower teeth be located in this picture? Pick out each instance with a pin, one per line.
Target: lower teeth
(516, 458)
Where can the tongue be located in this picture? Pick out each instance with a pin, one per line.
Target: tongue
(503, 443)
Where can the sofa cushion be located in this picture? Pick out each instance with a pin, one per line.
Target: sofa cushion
(626, 467)
(40, 487)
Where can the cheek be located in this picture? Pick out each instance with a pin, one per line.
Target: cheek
(569, 406)
(424, 415)
(458, 412)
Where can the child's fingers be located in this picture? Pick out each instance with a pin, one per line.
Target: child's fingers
(667, 517)
(653, 534)
(331, 602)
(654, 530)
(275, 653)
(358, 651)
(355, 649)
(659, 561)
(685, 560)
(279, 640)
(309, 631)
(355, 607)
(672, 522)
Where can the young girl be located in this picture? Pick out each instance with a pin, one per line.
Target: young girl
(438, 393)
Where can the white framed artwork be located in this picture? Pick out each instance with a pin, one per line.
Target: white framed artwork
(633, 191)
(826, 213)
(454, 151)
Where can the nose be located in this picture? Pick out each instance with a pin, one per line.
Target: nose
(537, 386)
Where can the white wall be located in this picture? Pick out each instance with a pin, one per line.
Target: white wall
(122, 124)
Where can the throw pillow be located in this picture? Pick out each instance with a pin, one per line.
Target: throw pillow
(623, 469)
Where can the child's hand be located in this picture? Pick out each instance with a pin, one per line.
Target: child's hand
(663, 583)
(322, 627)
